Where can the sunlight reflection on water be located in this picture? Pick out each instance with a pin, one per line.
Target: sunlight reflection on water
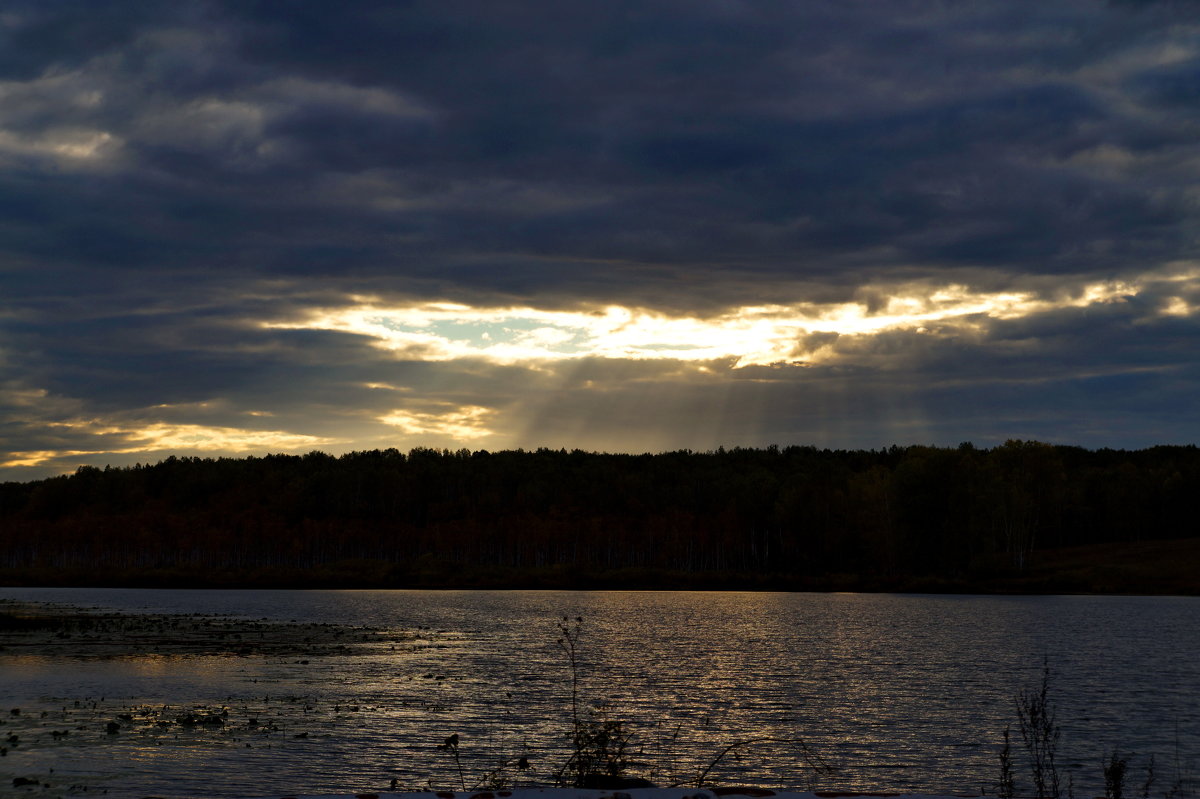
(899, 692)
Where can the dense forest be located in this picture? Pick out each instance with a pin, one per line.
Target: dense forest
(965, 518)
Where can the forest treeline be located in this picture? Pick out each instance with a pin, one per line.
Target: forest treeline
(774, 517)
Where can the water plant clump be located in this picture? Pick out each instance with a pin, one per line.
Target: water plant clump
(1007, 786)
(599, 742)
(1040, 734)
(601, 745)
(1114, 769)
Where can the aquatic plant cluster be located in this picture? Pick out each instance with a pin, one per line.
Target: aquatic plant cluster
(602, 749)
(1040, 737)
(85, 728)
(51, 631)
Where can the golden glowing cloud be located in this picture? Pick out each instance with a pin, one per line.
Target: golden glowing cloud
(464, 422)
(1177, 306)
(160, 437)
(748, 336)
(192, 436)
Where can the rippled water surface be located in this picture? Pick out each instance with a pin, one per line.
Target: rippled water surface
(896, 692)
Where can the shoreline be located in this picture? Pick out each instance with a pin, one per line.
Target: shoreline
(1148, 568)
(629, 793)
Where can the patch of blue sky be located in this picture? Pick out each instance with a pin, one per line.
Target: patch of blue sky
(467, 331)
(516, 330)
(482, 334)
(391, 324)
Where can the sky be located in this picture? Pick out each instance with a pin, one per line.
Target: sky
(232, 228)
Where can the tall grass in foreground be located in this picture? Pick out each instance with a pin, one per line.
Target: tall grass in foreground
(601, 744)
(1040, 736)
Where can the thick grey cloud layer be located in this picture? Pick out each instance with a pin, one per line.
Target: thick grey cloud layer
(174, 175)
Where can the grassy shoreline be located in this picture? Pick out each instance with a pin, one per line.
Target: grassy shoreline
(1160, 568)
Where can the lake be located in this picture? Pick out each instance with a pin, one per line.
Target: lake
(897, 692)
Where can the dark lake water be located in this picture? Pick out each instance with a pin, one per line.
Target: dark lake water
(897, 692)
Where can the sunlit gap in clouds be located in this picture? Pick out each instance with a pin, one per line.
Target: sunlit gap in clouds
(726, 351)
(612, 376)
(763, 335)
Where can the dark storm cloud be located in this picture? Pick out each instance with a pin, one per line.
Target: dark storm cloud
(174, 176)
(826, 129)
